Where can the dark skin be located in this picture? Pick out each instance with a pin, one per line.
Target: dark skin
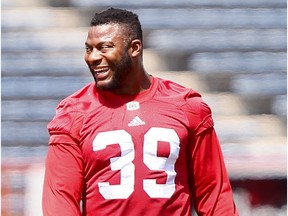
(115, 61)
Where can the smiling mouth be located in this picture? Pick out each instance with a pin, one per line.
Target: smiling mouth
(101, 73)
(100, 70)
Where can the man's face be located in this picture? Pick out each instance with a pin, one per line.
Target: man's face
(107, 56)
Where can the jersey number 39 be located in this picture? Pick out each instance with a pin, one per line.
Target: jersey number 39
(124, 163)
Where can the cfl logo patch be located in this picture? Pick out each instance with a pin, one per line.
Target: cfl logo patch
(133, 105)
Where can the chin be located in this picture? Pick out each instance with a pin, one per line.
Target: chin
(107, 85)
(102, 86)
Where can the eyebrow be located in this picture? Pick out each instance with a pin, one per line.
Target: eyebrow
(101, 43)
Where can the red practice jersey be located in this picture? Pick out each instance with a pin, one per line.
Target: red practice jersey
(154, 153)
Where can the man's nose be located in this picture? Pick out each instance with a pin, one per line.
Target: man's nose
(95, 55)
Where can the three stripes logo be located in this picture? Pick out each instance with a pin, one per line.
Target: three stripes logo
(136, 121)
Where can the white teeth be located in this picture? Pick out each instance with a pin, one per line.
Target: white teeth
(101, 70)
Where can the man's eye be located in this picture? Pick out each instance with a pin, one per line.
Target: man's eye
(106, 48)
(88, 49)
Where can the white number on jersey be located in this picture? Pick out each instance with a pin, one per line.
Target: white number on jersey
(153, 162)
(124, 163)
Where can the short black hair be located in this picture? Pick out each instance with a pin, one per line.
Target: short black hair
(120, 16)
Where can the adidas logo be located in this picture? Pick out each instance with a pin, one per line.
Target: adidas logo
(136, 122)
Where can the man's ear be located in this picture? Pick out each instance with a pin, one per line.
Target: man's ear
(136, 47)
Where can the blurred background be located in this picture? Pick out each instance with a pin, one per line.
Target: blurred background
(233, 52)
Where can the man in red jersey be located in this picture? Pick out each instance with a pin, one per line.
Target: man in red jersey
(130, 143)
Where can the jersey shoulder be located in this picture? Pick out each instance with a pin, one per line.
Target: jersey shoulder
(70, 112)
(172, 92)
(196, 110)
